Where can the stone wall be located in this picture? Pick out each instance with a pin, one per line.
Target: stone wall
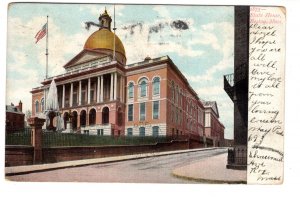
(18, 155)
(24, 155)
(51, 155)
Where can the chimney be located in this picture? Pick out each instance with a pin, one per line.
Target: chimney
(20, 105)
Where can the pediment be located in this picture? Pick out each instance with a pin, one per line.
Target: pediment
(215, 108)
(84, 56)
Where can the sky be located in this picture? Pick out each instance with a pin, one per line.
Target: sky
(199, 40)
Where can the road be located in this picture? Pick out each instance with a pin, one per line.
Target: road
(146, 170)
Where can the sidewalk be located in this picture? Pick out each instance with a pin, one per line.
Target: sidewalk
(211, 170)
(16, 170)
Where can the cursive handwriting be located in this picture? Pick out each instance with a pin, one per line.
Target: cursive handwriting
(265, 114)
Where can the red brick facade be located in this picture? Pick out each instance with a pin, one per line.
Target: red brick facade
(14, 118)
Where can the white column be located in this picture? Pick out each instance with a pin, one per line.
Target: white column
(89, 91)
(98, 89)
(45, 96)
(63, 97)
(71, 95)
(121, 88)
(111, 86)
(79, 94)
(115, 87)
(101, 89)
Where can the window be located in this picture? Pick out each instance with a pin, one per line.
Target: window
(91, 96)
(143, 87)
(130, 112)
(172, 113)
(42, 104)
(180, 118)
(187, 107)
(156, 86)
(37, 106)
(155, 131)
(177, 117)
(176, 95)
(142, 131)
(82, 97)
(155, 109)
(100, 132)
(181, 95)
(130, 90)
(173, 91)
(86, 132)
(74, 99)
(129, 132)
(142, 111)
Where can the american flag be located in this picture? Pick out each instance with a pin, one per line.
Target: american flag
(41, 33)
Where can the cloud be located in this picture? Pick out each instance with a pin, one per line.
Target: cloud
(162, 11)
(164, 39)
(96, 9)
(26, 61)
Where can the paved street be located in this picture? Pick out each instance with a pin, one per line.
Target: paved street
(147, 170)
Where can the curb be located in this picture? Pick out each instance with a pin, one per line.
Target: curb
(210, 181)
(11, 171)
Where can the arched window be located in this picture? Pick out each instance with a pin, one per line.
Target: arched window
(83, 118)
(143, 87)
(66, 118)
(92, 117)
(156, 86)
(155, 131)
(142, 131)
(176, 95)
(173, 91)
(42, 105)
(37, 106)
(105, 115)
(130, 90)
(74, 120)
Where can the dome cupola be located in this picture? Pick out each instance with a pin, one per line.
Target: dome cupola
(105, 40)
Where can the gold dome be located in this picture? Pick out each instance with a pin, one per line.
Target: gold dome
(104, 39)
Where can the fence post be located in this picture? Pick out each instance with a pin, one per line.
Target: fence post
(36, 138)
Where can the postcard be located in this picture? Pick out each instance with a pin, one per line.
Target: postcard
(129, 93)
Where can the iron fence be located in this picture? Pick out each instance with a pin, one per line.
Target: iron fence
(18, 137)
(53, 139)
(237, 156)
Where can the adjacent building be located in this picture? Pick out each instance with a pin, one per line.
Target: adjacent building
(214, 129)
(14, 121)
(102, 95)
(236, 86)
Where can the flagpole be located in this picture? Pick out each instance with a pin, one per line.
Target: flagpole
(47, 50)
(114, 55)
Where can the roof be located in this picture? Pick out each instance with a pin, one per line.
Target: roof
(13, 109)
(213, 105)
(105, 39)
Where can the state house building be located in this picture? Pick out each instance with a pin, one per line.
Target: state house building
(105, 96)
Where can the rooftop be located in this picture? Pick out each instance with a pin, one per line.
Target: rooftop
(13, 109)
